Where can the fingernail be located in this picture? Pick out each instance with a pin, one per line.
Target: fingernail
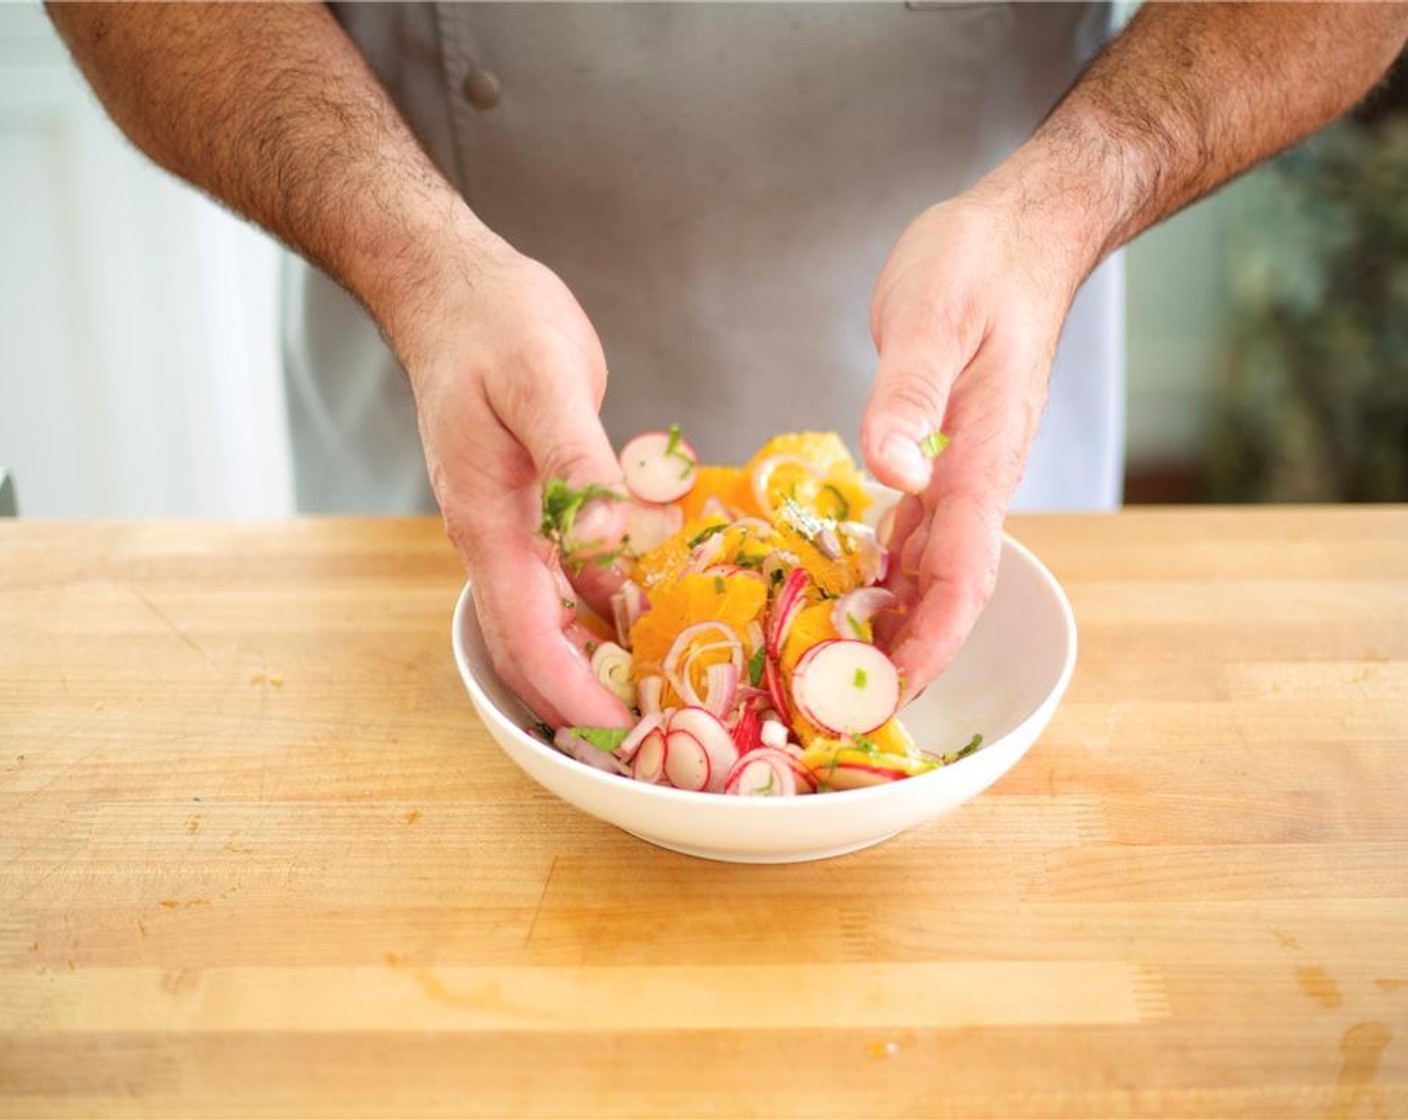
(906, 460)
(593, 522)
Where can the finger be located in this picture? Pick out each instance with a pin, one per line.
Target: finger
(518, 588)
(521, 614)
(958, 573)
(956, 568)
(908, 401)
(551, 408)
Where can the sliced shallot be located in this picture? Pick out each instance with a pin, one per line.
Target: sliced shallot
(853, 611)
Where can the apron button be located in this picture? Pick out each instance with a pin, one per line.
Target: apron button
(482, 88)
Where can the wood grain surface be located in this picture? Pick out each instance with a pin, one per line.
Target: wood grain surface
(258, 857)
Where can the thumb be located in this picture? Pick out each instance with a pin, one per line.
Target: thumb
(906, 408)
(557, 424)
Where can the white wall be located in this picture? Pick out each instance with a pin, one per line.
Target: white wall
(138, 355)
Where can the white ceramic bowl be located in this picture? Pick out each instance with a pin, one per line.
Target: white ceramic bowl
(1005, 683)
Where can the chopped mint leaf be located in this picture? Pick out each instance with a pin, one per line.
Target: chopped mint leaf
(778, 577)
(672, 451)
(743, 560)
(865, 743)
(719, 585)
(602, 738)
(857, 627)
(859, 679)
(704, 534)
(561, 504)
(755, 666)
(592, 647)
(963, 752)
(569, 604)
(933, 445)
(843, 513)
(541, 730)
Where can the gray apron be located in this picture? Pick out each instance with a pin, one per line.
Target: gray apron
(719, 186)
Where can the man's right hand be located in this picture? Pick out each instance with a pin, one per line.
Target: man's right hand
(508, 377)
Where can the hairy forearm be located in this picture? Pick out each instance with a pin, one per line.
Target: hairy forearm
(271, 109)
(1188, 97)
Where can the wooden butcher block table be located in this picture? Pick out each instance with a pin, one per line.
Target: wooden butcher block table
(258, 856)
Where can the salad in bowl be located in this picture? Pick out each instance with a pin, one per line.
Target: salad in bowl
(743, 637)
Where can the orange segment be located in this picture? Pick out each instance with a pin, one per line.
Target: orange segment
(667, 561)
(814, 469)
(811, 627)
(734, 601)
(711, 482)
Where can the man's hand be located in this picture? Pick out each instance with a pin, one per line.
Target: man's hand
(271, 109)
(508, 376)
(965, 317)
(968, 309)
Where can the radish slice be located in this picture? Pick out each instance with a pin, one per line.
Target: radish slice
(772, 677)
(686, 761)
(853, 611)
(649, 525)
(659, 466)
(747, 733)
(784, 610)
(648, 764)
(762, 773)
(846, 687)
(762, 475)
(712, 736)
(631, 743)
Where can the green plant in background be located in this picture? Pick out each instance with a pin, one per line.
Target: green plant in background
(1314, 402)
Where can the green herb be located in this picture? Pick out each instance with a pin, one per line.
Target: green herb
(767, 790)
(866, 744)
(602, 738)
(541, 730)
(592, 647)
(778, 577)
(569, 604)
(744, 561)
(859, 679)
(719, 585)
(973, 744)
(672, 451)
(933, 445)
(704, 534)
(561, 504)
(857, 627)
(844, 512)
(755, 666)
